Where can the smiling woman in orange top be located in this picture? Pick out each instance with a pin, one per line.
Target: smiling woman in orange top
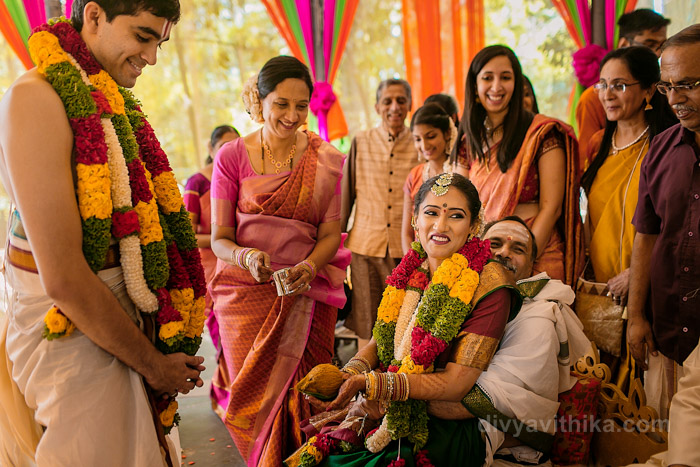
(522, 164)
(434, 134)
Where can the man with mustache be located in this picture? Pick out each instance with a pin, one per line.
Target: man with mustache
(531, 366)
(375, 171)
(664, 324)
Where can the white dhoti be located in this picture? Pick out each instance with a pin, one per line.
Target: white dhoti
(93, 409)
(532, 366)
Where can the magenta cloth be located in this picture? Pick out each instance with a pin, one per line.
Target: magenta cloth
(69, 8)
(586, 64)
(328, 29)
(304, 12)
(610, 24)
(585, 14)
(36, 14)
(322, 99)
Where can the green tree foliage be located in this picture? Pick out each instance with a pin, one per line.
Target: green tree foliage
(536, 32)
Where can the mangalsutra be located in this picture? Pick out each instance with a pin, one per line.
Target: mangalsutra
(278, 165)
(616, 149)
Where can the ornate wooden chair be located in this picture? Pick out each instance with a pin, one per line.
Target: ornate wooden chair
(629, 431)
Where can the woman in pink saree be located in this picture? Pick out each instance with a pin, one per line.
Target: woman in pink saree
(275, 204)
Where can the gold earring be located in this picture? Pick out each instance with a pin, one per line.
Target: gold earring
(413, 223)
(648, 107)
(477, 100)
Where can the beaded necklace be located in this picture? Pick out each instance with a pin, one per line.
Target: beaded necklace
(616, 149)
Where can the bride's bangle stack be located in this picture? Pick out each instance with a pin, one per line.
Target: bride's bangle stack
(356, 366)
(386, 387)
(241, 256)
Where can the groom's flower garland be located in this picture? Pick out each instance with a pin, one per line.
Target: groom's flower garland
(125, 189)
(445, 306)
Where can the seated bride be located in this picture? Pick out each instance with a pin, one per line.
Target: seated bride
(444, 309)
(441, 319)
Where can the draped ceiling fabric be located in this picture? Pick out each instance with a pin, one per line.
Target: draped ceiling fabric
(316, 32)
(18, 18)
(440, 39)
(577, 18)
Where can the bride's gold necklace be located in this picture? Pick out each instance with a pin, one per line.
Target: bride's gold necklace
(267, 152)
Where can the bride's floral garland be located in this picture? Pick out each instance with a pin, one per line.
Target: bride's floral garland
(125, 189)
(446, 303)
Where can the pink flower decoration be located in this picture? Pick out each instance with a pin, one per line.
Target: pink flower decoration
(178, 274)
(103, 106)
(138, 182)
(89, 149)
(322, 98)
(425, 347)
(587, 64)
(125, 223)
(150, 151)
(192, 261)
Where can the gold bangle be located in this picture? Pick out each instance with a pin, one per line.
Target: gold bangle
(357, 365)
(246, 259)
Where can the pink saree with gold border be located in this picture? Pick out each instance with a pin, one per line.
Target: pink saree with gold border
(271, 342)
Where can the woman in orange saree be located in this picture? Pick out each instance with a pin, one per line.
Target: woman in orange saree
(521, 164)
(269, 213)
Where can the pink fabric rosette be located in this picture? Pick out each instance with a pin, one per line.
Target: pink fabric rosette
(587, 64)
(322, 99)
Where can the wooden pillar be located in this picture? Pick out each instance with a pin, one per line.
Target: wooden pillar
(598, 23)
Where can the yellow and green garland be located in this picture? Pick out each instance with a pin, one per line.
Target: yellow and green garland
(411, 345)
(126, 190)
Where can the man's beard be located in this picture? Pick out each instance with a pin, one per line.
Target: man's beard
(506, 263)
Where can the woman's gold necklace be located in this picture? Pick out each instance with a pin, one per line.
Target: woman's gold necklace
(278, 165)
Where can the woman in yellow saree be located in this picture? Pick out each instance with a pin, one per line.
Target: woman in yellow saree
(635, 114)
(275, 204)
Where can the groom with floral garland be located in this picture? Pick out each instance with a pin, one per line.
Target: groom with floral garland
(106, 308)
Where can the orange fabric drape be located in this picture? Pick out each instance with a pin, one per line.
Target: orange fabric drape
(277, 15)
(9, 30)
(440, 39)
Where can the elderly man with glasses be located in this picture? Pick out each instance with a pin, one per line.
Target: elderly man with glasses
(664, 296)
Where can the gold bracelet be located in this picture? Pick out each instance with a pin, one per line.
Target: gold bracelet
(246, 258)
(386, 387)
(371, 386)
(357, 365)
(402, 387)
